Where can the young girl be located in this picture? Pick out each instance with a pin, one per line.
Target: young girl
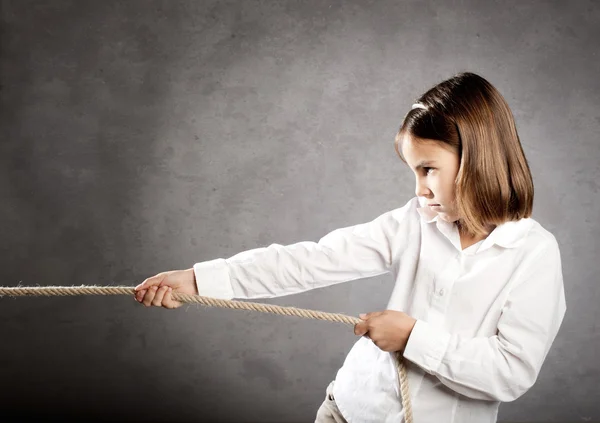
(478, 296)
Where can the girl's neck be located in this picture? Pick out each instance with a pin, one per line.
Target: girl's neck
(466, 239)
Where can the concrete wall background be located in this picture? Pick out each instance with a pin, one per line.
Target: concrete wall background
(143, 136)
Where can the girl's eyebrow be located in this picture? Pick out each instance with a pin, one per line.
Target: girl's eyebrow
(424, 163)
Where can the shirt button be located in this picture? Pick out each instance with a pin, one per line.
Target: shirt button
(441, 292)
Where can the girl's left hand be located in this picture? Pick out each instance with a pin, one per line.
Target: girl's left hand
(388, 329)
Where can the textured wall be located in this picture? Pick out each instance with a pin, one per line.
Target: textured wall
(143, 136)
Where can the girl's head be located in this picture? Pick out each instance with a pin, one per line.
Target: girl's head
(461, 142)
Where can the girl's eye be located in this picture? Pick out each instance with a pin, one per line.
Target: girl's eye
(427, 170)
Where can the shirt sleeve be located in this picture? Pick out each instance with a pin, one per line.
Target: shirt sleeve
(344, 254)
(502, 367)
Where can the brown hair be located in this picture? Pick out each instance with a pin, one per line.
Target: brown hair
(469, 115)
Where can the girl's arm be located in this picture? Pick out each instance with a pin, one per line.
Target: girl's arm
(504, 366)
(342, 255)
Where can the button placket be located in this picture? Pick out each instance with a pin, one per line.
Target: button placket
(445, 282)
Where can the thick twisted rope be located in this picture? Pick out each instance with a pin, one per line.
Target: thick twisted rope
(214, 302)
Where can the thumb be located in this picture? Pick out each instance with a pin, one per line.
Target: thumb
(367, 316)
(151, 281)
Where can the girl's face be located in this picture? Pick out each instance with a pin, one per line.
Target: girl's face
(435, 167)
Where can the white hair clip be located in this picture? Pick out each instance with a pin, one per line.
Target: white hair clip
(418, 106)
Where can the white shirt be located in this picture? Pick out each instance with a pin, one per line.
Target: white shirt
(486, 315)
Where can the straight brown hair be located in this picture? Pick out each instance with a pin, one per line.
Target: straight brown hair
(470, 116)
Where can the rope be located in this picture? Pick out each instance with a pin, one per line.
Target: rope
(215, 302)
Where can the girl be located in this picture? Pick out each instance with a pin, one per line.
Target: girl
(478, 296)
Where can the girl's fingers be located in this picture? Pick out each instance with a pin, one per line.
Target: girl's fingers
(139, 296)
(160, 293)
(168, 300)
(149, 296)
(160, 296)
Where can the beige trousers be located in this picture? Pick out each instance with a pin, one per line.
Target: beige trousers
(328, 411)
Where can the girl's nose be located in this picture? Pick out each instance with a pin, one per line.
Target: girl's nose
(422, 191)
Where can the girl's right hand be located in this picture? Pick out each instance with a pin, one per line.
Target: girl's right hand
(156, 290)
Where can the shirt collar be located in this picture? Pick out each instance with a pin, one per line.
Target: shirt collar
(508, 235)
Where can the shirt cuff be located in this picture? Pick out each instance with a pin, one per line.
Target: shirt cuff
(426, 346)
(212, 279)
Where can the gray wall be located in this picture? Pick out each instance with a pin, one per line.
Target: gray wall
(143, 136)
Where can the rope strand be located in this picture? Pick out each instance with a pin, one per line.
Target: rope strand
(214, 302)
